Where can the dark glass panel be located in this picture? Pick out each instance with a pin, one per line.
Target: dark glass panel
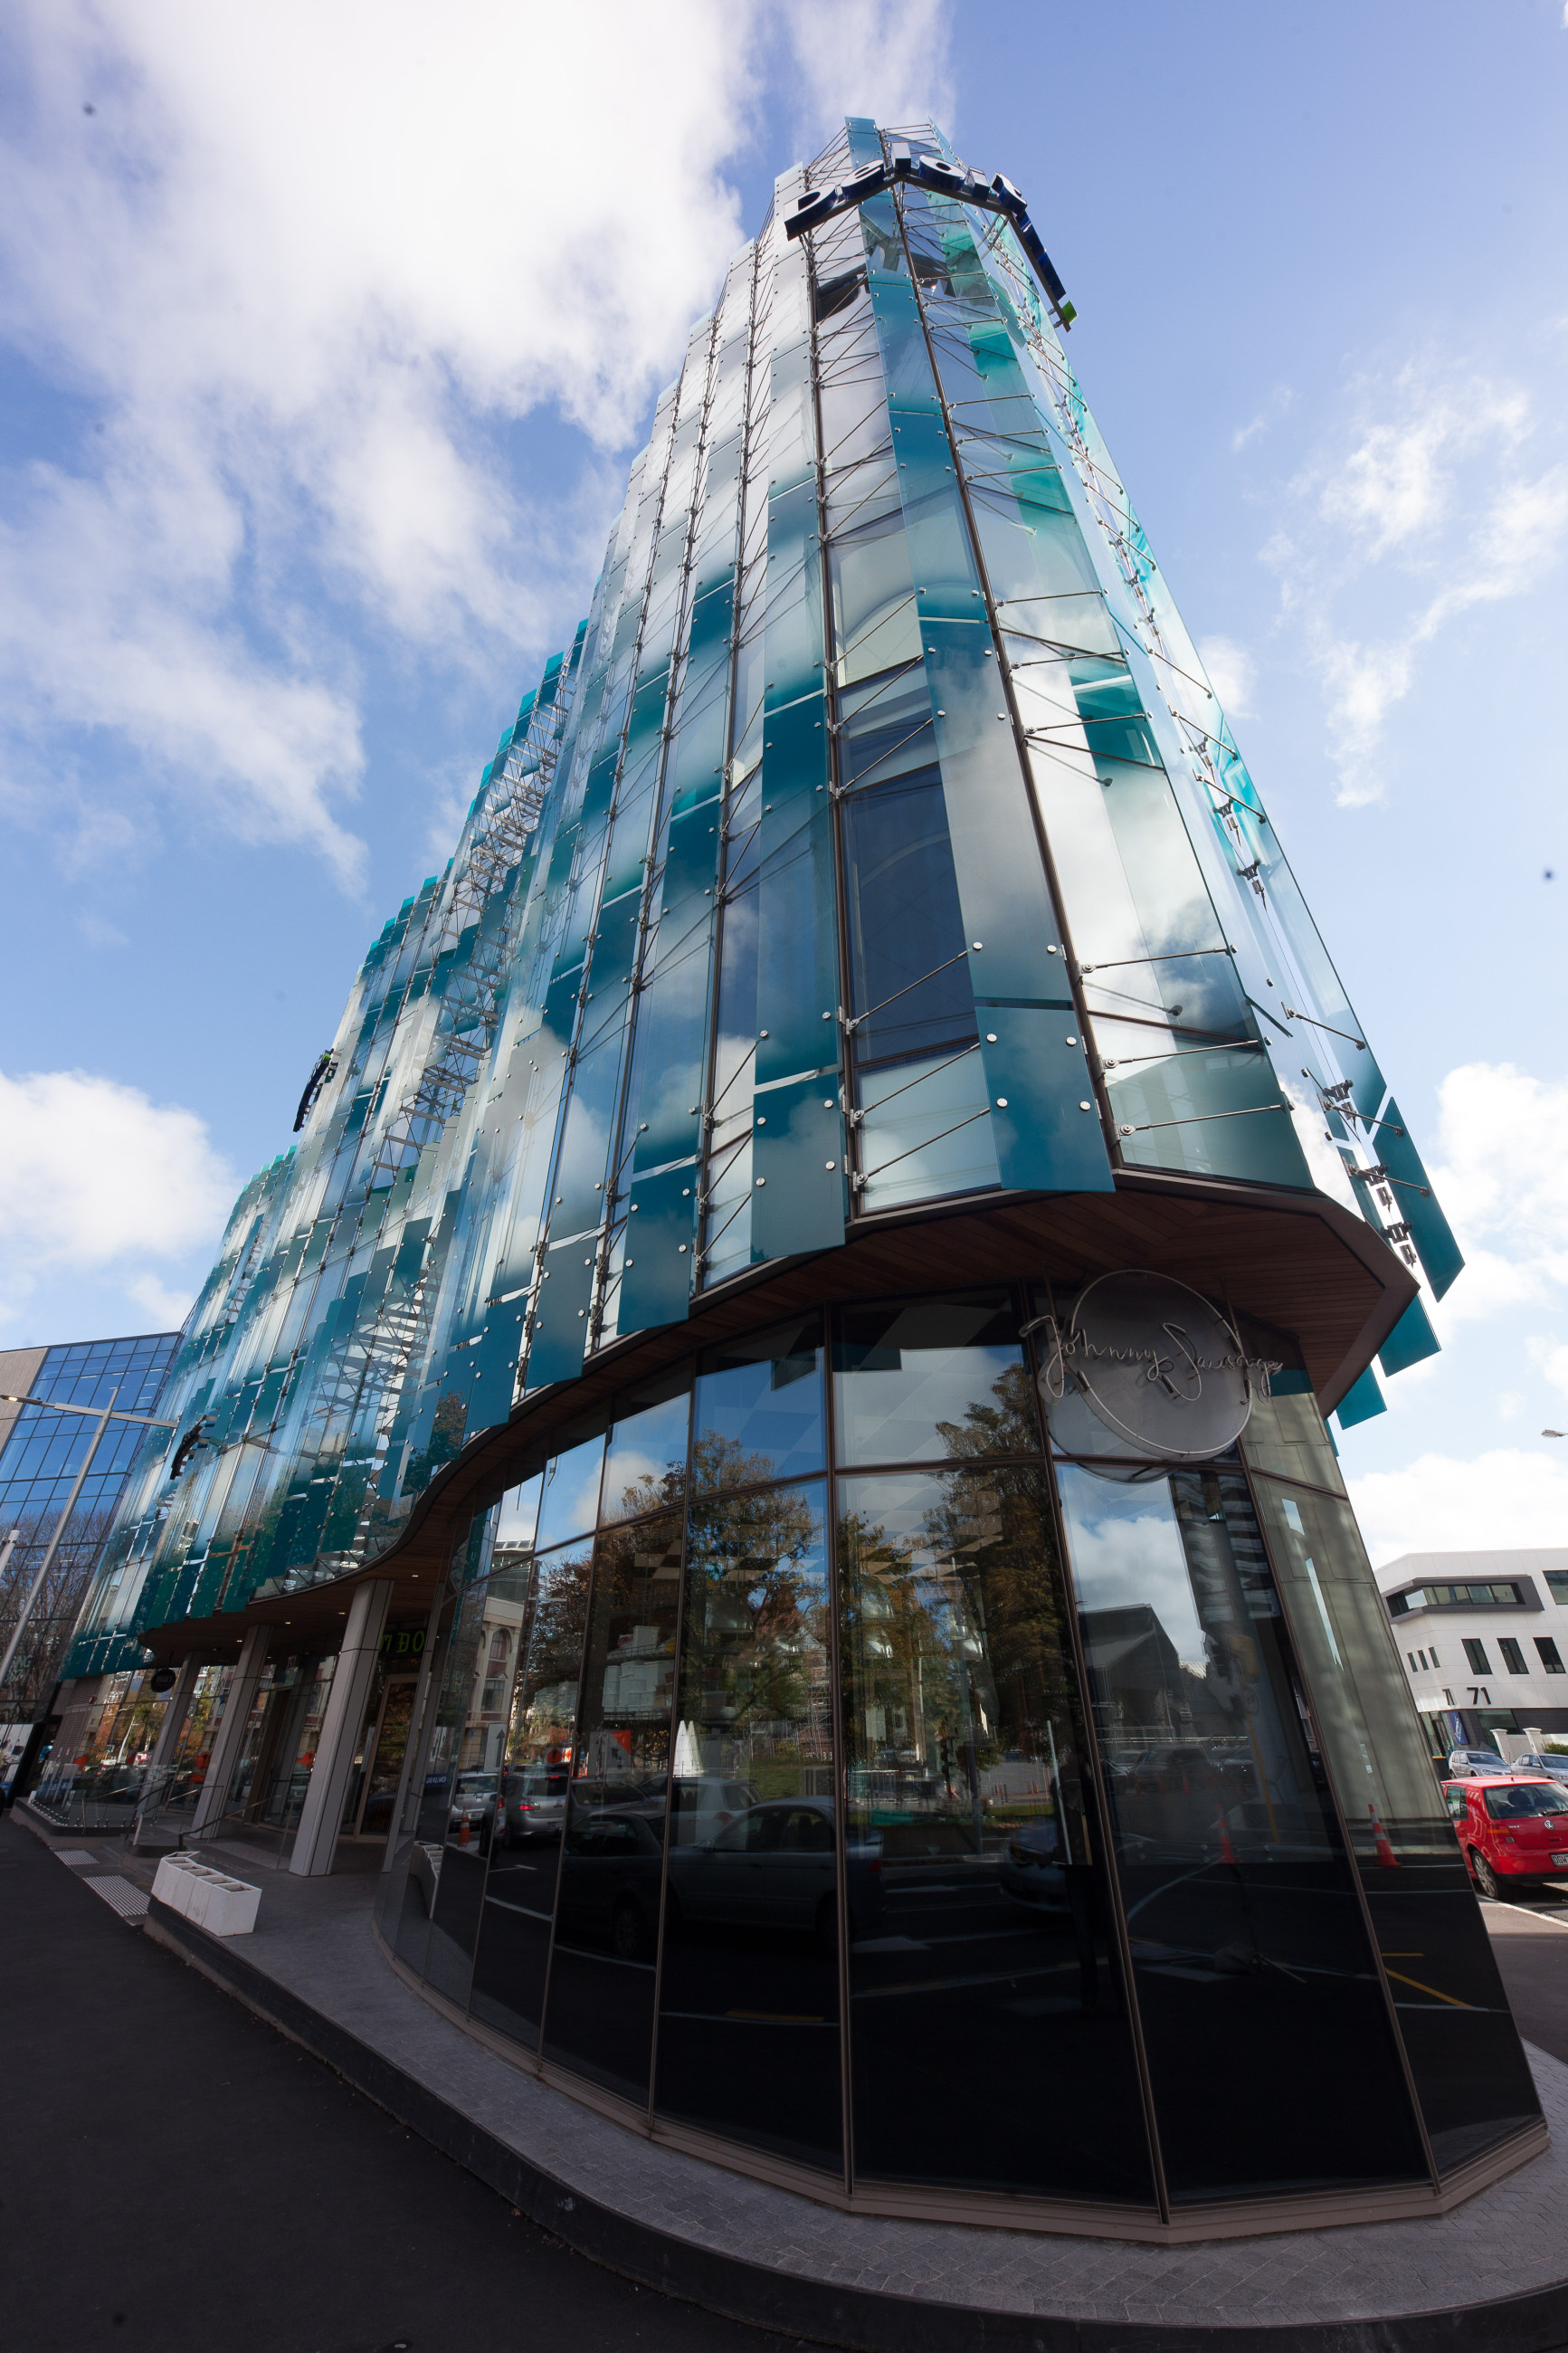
(644, 1463)
(520, 1893)
(599, 2016)
(1249, 1947)
(989, 2042)
(1470, 2071)
(909, 957)
(759, 1408)
(476, 1696)
(927, 1379)
(748, 2038)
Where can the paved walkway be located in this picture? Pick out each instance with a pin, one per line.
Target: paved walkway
(175, 2178)
(323, 2194)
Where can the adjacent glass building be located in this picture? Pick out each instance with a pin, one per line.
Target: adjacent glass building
(650, 1458)
(40, 1454)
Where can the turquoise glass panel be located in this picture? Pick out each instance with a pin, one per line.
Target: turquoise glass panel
(660, 1247)
(561, 1324)
(1411, 1340)
(1360, 1401)
(797, 946)
(799, 1185)
(1429, 1228)
(1045, 1129)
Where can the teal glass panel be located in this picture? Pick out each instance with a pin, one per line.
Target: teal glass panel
(495, 1355)
(925, 1129)
(947, 583)
(1008, 916)
(1209, 1113)
(660, 1249)
(1410, 1342)
(672, 1009)
(1045, 1127)
(1360, 1401)
(906, 365)
(797, 949)
(561, 1323)
(1429, 1228)
(799, 1183)
(591, 1110)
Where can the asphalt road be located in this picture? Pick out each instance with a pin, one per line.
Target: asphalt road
(176, 2178)
(1531, 1941)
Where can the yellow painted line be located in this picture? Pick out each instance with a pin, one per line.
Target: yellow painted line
(1453, 1999)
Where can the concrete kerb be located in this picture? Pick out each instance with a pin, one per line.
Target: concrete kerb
(815, 2308)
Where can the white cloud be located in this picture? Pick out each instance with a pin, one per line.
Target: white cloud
(1440, 1504)
(299, 270)
(1504, 1143)
(167, 1307)
(1230, 673)
(96, 1176)
(1422, 499)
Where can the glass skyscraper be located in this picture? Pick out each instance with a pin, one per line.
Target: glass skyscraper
(40, 1454)
(806, 1300)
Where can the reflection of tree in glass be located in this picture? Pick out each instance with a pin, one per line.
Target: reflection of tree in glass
(553, 1636)
(756, 1603)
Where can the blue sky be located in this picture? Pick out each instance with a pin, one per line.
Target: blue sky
(326, 337)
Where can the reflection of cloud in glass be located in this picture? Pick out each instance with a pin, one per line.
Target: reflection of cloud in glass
(571, 1493)
(1125, 1547)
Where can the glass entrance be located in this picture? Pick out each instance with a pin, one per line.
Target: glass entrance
(385, 1751)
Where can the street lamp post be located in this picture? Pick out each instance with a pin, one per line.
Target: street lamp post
(90, 1413)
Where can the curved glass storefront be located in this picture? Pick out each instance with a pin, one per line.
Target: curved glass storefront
(818, 1762)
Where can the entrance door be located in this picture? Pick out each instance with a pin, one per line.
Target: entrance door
(383, 1766)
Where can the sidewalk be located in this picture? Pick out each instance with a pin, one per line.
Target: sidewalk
(1489, 2274)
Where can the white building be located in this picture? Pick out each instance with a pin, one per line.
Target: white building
(1484, 1640)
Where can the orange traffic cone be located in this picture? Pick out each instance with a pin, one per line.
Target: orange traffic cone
(1380, 1841)
(1226, 1852)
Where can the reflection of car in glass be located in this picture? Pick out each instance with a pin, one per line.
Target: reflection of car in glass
(609, 1880)
(1463, 1762)
(1188, 1768)
(1514, 1828)
(533, 1800)
(470, 1815)
(775, 1867)
(705, 1805)
(1031, 1868)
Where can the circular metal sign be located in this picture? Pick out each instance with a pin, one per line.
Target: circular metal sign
(1159, 1366)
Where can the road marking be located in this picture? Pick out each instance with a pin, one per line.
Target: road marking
(1451, 1998)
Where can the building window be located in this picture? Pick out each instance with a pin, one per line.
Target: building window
(1557, 1584)
(1512, 1656)
(1431, 1658)
(1475, 1653)
(1551, 1657)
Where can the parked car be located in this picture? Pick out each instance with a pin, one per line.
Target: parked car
(1535, 1761)
(1513, 1827)
(534, 1802)
(775, 1867)
(610, 1865)
(1031, 1869)
(470, 1815)
(1463, 1762)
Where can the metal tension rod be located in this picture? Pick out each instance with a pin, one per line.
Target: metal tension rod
(1292, 1015)
(997, 194)
(1117, 964)
(1144, 1126)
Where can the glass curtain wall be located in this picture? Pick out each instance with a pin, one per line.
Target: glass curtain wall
(886, 1790)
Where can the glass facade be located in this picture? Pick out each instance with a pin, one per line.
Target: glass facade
(40, 1454)
(882, 1792)
(822, 1758)
(877, 841)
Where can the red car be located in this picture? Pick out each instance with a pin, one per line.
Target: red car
(1512, 1826)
